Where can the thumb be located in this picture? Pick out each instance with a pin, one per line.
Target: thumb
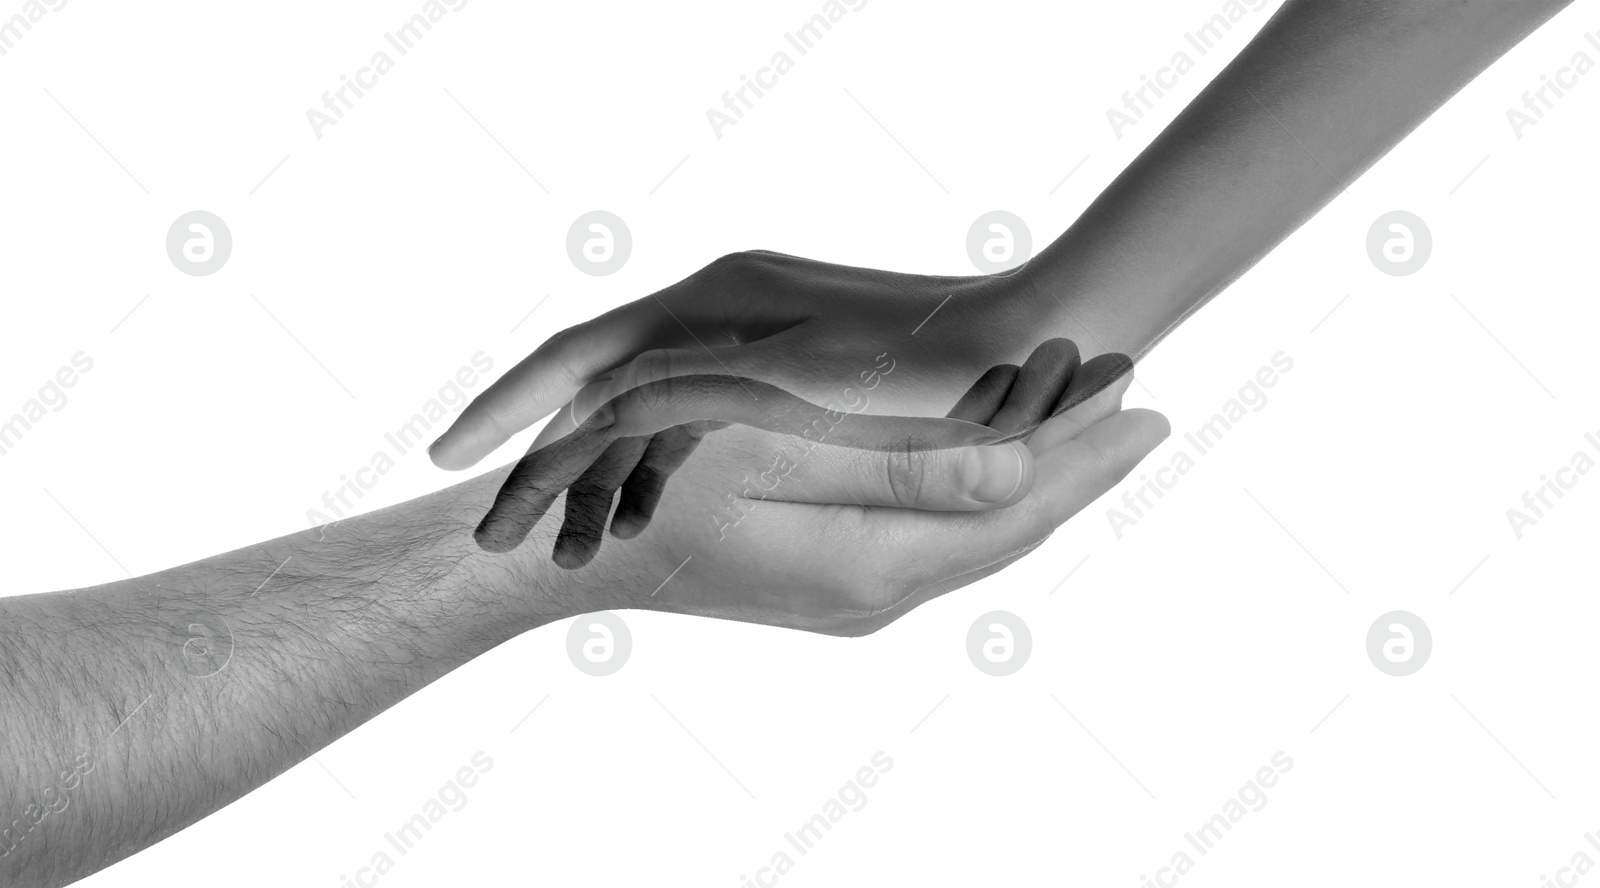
(1074, 473)
(913, 476)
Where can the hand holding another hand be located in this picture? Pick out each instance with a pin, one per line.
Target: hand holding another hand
(783, 551)
(777, 343)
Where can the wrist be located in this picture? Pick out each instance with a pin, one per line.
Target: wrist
(525, 589)
(485, 598)
(1104, 309)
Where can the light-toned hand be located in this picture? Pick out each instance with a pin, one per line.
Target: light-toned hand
(793, 559)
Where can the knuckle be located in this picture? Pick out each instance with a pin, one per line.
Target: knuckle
(911, 468)
(562, 337)
(558, 348)
(908, 466)
(1105, 461)
(499, 429)
(732, 264)
(650, 366)
(870, 593)
(868, 599)
(892, 590)
(745, 267)
(651, 375)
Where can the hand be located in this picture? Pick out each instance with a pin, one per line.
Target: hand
(791, 560)
(789, 321)
(821, 333)
(958, 463)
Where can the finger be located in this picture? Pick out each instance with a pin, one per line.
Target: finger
(1078, 471)
(642, 490)
(986, 396)
(589, 502)
(696, 395)
(537, 479)
(1083, 412)
(548, 378)
(964, 479)
(1098, 373)
(649, 382)
(540, 476)
(1039, 385)
(1067, 478)
(669, 399)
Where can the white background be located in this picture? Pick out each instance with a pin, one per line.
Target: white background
(1209, 636)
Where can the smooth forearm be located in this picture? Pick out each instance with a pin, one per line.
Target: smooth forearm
(1322, 92)
(131, 710)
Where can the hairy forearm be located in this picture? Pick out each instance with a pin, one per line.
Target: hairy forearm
(1324, 90)
(131, 710)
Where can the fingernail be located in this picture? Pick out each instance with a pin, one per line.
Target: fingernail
(993, 473)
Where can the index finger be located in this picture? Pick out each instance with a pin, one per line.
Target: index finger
(545, 380)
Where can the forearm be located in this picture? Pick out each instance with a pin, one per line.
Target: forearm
(131, 710)
(1324, 90)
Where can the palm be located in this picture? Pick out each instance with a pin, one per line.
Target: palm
(830, 568)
